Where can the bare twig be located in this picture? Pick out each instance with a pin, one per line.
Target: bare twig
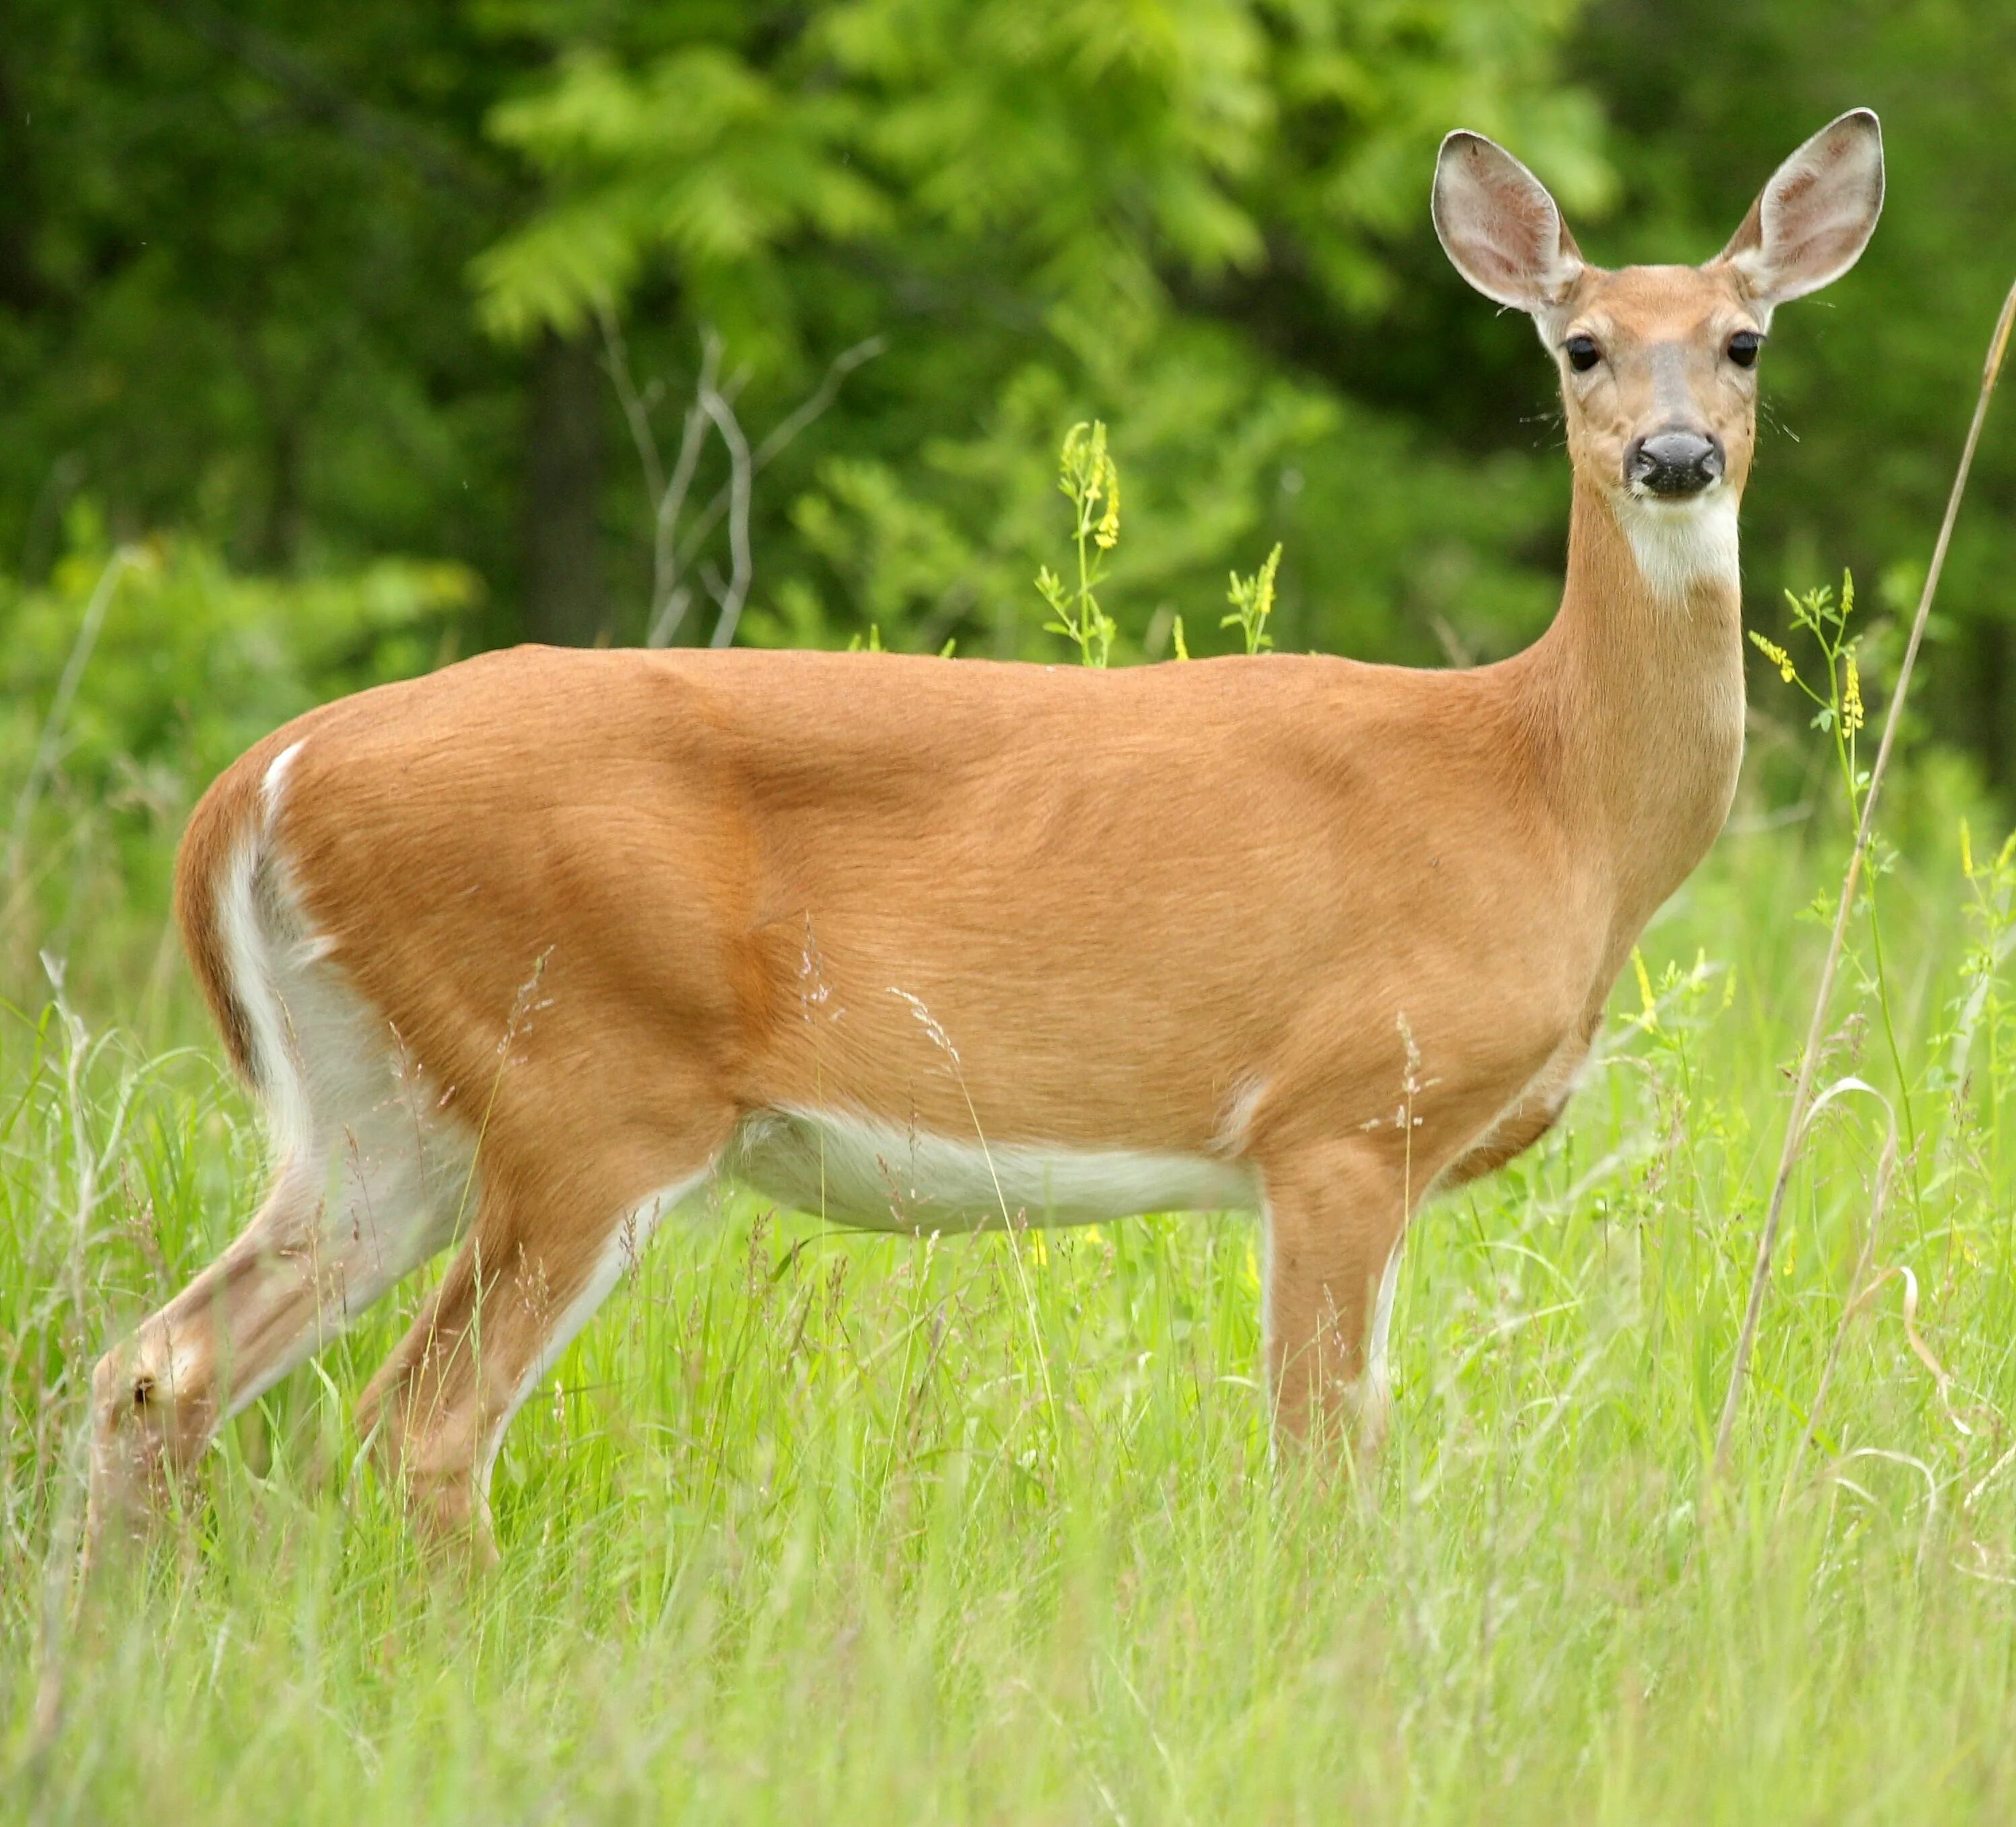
(670, 599)
(1795, 1124)
(636, 406)
(673, 552)
(816, 402)
(741, 473)
(787, 429)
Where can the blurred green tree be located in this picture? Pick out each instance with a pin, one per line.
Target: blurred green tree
(235, 248)
(321, 284)
(233, 243)
(1174, 215)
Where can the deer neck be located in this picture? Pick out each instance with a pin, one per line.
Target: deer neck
(1638, 690)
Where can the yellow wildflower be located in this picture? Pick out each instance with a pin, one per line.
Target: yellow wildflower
(1649, 1017)
(1851, 699)
(1777, 655)
(1107, 535)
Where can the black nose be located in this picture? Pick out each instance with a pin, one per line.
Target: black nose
(1675, 462)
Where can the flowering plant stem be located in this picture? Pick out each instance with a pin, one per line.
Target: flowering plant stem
(1795, 1121)
(1090, 480)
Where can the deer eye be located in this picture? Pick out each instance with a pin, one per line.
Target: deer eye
(1743, 347)
(1583, 353)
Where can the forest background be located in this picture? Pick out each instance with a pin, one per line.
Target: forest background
(344, 322)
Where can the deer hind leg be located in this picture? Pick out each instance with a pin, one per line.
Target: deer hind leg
(372, 1176)
(543, 1257)
(1335, 1215)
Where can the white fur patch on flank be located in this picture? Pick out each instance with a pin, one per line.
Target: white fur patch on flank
(1681, 545)
(1235, 1128)
(250, 907)
(864, 1171)
(374, 1175)
(276, 778)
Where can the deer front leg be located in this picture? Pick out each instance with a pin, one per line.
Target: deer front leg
(1335, 1214)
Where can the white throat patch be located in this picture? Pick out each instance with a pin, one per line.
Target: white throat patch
(1680, 544)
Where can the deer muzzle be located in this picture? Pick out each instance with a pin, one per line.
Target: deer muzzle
(1673, 464)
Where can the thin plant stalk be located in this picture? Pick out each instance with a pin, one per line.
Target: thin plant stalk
(51, 739)
(1796, 1123)
(1860, 1286)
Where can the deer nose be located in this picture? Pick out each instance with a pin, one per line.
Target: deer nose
(1675, 462)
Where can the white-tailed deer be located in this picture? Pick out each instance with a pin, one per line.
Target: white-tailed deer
(546, 939)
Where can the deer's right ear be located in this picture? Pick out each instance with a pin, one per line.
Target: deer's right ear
(1499, 227)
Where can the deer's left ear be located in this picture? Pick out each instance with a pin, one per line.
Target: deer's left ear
(1811, 222)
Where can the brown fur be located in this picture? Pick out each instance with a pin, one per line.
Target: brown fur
(1351, 926)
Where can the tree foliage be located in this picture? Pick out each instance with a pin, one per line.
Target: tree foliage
(1054, 210)
(320, 284)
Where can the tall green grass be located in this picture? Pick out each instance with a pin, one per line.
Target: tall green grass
(797, 1532)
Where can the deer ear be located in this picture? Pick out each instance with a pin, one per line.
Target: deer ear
(1811, 222)
(1499, 227)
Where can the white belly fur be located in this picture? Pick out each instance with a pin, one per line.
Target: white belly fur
(862, 1171)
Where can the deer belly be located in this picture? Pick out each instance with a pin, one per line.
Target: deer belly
(880, 1176)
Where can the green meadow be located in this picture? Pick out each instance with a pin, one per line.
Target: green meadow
(339, 342)
(813, 1525)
